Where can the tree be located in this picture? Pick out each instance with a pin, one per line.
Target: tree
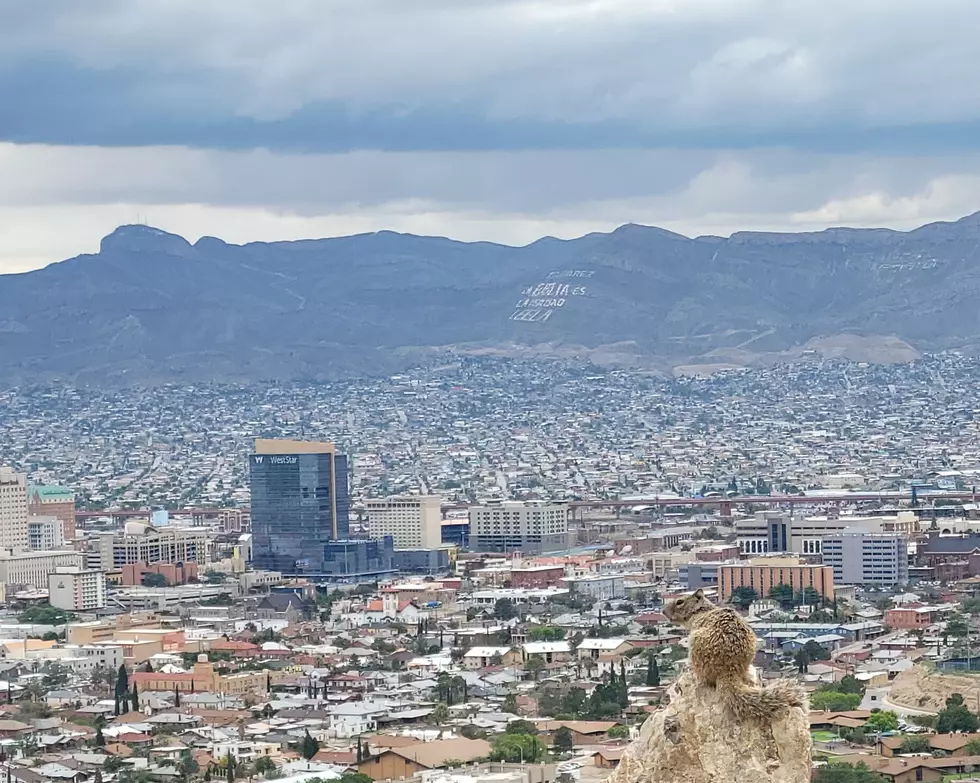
(522, 748)
(783, 595)
(849, 684)
(618, 732)
(546, 633)
(815, 652)
(309, 746)
(563, 742)
(743, 597)
(440, 714)
(884, 720)
(847, 773)
(915, 743)
(957, 627)
(510, 704)
(264, 765)
(534, 665)
(956, 717)
(811, 597)
(653, 672)
(834, 701)
(44, 614)
(973, 747)
(122, 682)
(504, 609)
(152, 579)
(187, 766)
(112, 764)
(99, 740)
(521, 727)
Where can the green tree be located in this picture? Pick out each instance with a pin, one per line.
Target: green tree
(504, 609)
(884, 720)
(99, 740)
(956, 717)
(973, 747)
(187, 766)
(44, 614)
(534, 665)
(521, 727)
(743, 597)
(264, 765)
(618, 732)
(783, 595)
(510, 704)
(849, 684)
(563, 743)
(653, 672)
(523, 748)
(440, 714)
(154, 580)
(957, 627)
(847, 773)
(834, 701)
(915, 743)
(309, 747)
(546, 633)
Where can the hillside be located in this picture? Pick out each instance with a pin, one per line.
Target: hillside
(150, 307)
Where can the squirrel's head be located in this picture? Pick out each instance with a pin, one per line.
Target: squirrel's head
(685, 607)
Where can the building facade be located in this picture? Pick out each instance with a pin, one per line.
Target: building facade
(139, 542)
(13, 510)
(532, 527)
(763, 574)
(33, 568)
(51, 501)
(859, 558)
(773, 532)
(599, 588)
(45, 533)
(413, 521)
(358, 560)
(300, 503)
(77, 589)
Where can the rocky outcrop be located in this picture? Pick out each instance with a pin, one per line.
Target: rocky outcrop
(693, 740)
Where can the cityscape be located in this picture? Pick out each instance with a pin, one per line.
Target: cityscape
(462, 569)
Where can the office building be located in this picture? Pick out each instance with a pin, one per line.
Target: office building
(13, 510)
(598, 588)
(300, 503)
(359, 560)
(426, 562)
(139, 542)
(47, 500)
(762, 574)
(532, 527)
(862, 558)
(456, 532)
(772, 532)
(77, 589)
(44, 533)
(413, 521)
(32, 568)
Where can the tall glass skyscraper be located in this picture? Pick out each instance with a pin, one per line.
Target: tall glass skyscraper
(300, 502)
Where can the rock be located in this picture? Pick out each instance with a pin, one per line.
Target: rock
(693, 740)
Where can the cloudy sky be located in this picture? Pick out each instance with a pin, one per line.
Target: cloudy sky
(480, 119)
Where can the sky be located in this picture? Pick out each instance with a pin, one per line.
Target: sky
(503, 120)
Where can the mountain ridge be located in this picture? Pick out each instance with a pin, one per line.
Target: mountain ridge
(152, 307)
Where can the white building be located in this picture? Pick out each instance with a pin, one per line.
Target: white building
(45, 533)
(599, 588)
(77, 589)
(33, 568)
(531, 526)
(771, 532)
(414, 521)
(13, 510)
(859, 557)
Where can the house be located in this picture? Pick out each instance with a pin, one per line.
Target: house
(596, 648)
(409, 760)
(608, 758)
(284, 606)
(482, 657)
(549, 652)
(584, 732)
(953, 744)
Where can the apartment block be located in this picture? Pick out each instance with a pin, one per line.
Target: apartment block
(33, 568)
(762, 574)
(413, 521)
(860, 558)
(45, 533)
(532, 527)
(13, 510)
(77, 589)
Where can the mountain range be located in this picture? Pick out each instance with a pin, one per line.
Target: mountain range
(151, 307)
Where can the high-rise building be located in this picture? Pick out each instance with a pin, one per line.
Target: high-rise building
(32, 568)
(530, 526)
(50, 501)
(77, 589)
(772, 532)
(44, 533)
(862, 558)
(300, 503)
(413, 521)
(762, 574)
(13, 510)
(139, 542)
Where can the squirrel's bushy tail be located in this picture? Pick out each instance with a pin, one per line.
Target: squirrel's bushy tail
(746, 701)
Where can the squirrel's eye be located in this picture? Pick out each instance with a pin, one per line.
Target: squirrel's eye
(679, 603)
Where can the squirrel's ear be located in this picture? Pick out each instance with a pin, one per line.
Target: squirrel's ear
(699, 593)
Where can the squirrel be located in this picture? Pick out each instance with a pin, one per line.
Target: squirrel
(722, 646)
